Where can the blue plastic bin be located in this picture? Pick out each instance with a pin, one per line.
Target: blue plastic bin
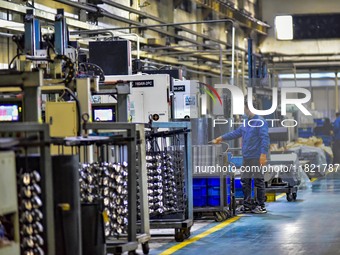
(319, 122)
(199, 181)
(206, 192)
(213, 191)
(213, 181)
(214, 201)
(200, 196)
(305, 132)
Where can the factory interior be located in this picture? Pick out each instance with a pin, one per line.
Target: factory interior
(240, 155)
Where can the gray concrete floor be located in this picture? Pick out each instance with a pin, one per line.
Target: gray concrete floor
(309, 225)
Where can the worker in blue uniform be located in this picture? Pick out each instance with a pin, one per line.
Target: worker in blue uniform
(255, 146)
(336, 143)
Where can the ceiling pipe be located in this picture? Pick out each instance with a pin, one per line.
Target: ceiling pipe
(166, 24)
(139, 26)
(244, 18)
(187, 69)
(6, 35)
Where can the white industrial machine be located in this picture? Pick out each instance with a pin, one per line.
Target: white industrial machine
(186, 99)
(149, 96)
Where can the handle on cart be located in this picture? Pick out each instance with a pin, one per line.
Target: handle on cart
(85, 117)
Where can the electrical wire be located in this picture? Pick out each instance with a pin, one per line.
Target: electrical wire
(95, 68)
(12, 61)
(69, 64)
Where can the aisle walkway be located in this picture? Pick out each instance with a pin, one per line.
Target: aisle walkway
(311, 225)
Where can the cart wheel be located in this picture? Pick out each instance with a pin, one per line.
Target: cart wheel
(187, 232)
(179, 235)
(289, 197)
(218, 217)
(145, 248)
(294, 196)
(132, 253)
(222, 215)
(225, 215)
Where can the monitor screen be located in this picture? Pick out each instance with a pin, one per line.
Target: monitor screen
(10, 112)
(104, 112)
(103, 115)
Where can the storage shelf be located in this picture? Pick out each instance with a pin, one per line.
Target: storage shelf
(13, 249)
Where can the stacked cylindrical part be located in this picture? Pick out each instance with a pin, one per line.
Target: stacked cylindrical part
(165, 182)
(30, 214)
(107, 182)
(161, 183)
(178, 165)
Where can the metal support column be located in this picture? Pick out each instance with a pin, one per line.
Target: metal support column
(82, 13)
(143, 181)
(188, 164)
(32, 33)
(132, 180)
(60, 41)
(32, 105)
(46, 175)
(250, 62)
(243, 72)
(233, 55)
(122, 98)
(83, 87)
(311, 89)
(336, 93)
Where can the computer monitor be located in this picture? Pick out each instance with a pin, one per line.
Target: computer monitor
(10, 111)
(104, 112)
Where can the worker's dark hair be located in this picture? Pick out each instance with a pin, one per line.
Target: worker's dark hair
(337, 114)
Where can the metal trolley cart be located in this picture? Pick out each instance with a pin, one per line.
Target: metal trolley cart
(213, 191)
(9, 222)
(284, 175)
(113, 162)
(170, 177)
(34, 183)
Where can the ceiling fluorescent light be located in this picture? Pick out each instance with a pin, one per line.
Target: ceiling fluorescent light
(284, 27)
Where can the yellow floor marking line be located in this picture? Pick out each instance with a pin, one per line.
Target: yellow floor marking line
(179, 246)
(281, 195)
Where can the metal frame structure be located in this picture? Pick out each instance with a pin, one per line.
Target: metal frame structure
(134, 137)
(282, 185)
(224, 210)
(30, 83)
(182, 226)
(9, 201)
(45, 170)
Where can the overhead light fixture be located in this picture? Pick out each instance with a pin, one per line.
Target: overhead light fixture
(284, 27)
